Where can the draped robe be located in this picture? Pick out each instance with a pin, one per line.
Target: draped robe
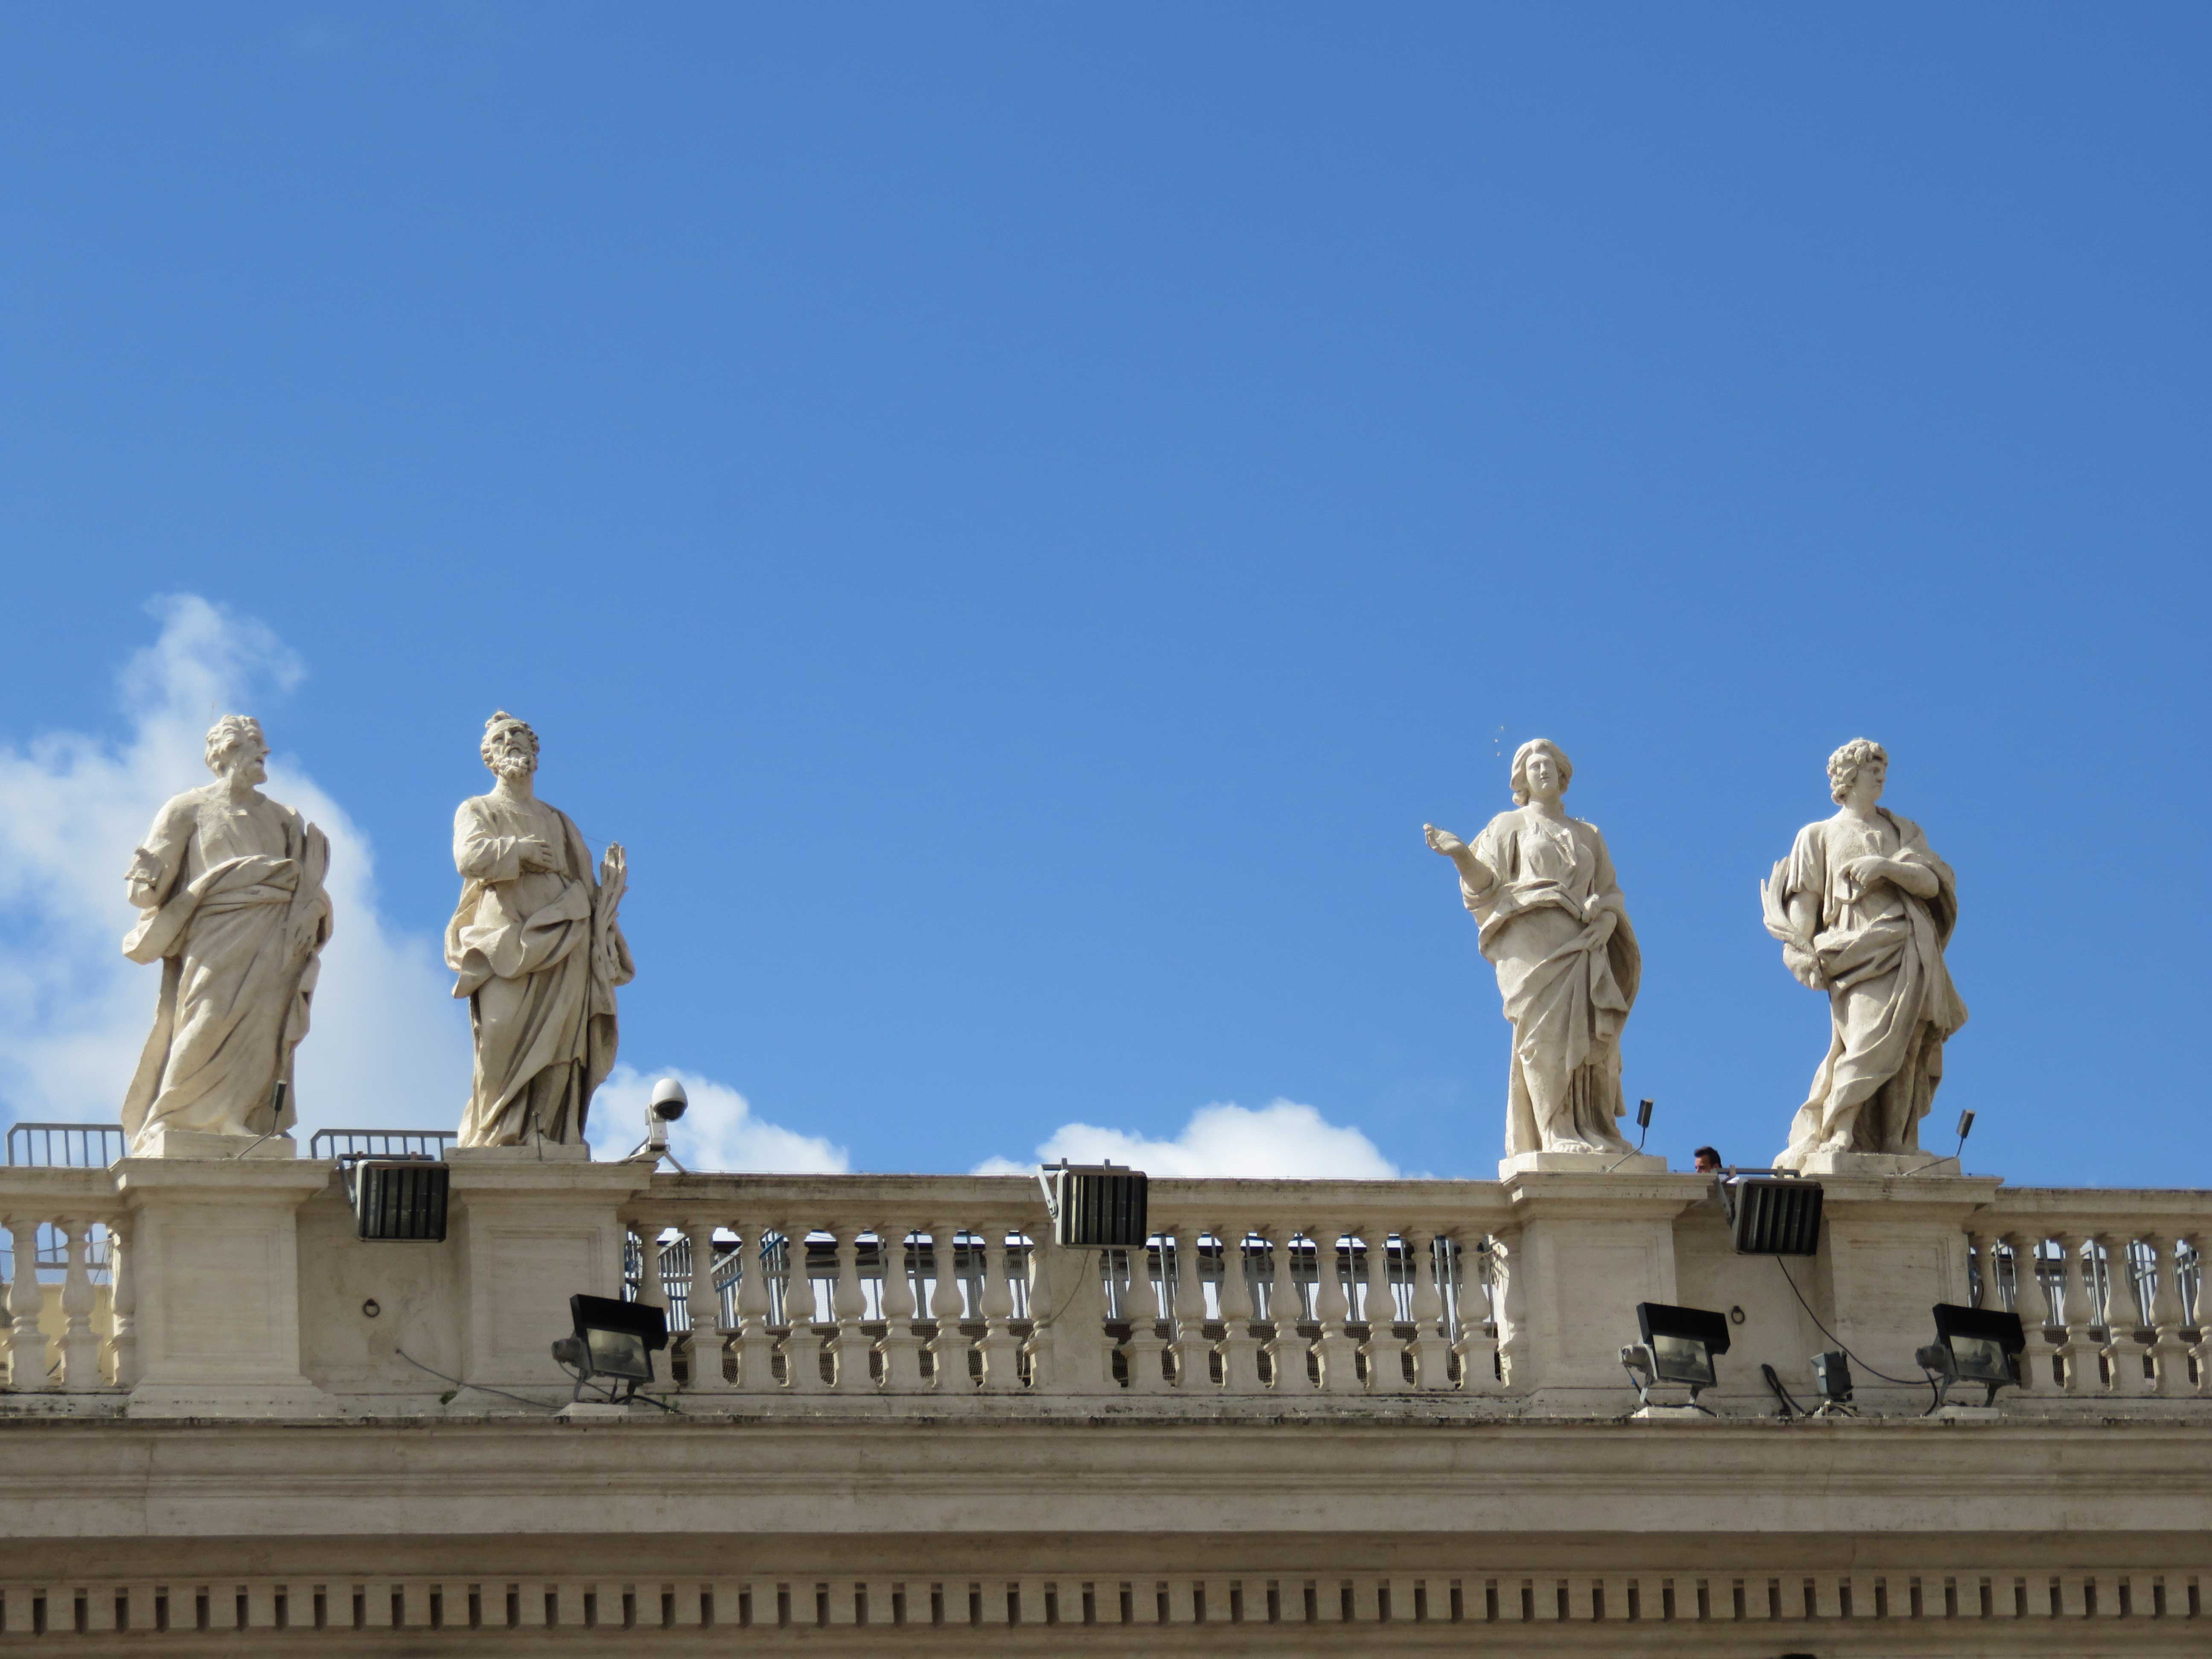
(1566, 1002)
(233, 888)
(538, 963)
(1891, 1002)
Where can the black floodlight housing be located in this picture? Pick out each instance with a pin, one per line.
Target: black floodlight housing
(1832, 1376)
(614, 1344)
(1772, 1215)
(1096, 1206)
(1972, 1345)
(401, 1197)
(1677, 1347)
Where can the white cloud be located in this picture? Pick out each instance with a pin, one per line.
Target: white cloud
(389, 1046)
(1283, 1141)
(718, 1131)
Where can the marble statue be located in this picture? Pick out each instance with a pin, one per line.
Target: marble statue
(1863, 911)
(538, 951)
(229, 888)
(1552, 923)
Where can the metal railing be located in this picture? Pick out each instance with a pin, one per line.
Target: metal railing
(381, 1143)
(66, 1146)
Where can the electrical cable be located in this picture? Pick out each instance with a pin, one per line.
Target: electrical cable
(1789, 1407)
(535, 1405)
(1901, 1381)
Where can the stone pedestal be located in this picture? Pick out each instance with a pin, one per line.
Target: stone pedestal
(1889, 1252)
(532, 1232)
(1581, 1164)
(200, 1144)
(1872, 1165)
(1591, 1245)
(214, 1251)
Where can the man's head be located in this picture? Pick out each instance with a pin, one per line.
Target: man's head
(1539, 753)
(1706, 1160)
(236, 749)
(509, 746)
(1860, 763)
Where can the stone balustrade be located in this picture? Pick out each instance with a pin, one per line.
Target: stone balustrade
(1245, 1288)
(70, 1322)
(2107, 1285)
(947, 1293)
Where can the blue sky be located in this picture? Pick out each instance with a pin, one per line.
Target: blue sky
(1015, 515)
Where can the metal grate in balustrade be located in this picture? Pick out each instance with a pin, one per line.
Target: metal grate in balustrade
(66, 1146)
(381, 1143)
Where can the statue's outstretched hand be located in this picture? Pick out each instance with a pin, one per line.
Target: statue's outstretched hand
(1442, 841)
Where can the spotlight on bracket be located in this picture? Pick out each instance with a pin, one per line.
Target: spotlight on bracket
(1832, 1376)
(1096, 1206)
(397, 1198)
(1972, 1345)
(1678, 1348)
(614, 1345)
(1771, 1215)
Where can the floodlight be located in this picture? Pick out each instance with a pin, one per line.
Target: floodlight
(1972, 1345)
(1677, 1347)
(1096, 1206)
(1772, 1216)
(1832, 1376)
(400, 1197)
(614, 1344)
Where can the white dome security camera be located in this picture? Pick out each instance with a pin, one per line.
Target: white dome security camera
(668, 1102)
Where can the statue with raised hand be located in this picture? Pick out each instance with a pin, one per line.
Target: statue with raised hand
(538, 951)
(230, 889)
(1864, 911)
(1541, 884)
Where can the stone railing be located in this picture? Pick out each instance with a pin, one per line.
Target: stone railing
(197, 1287)
(1287, 1289)
(69, 1323)
(2108, 1285)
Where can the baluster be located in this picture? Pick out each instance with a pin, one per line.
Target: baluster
(27, 1345)
(1384, 1350)
(756, 1346)
(1986, 1270)
(900, 1347)
(2169, 1351)
(123, 1301)
(1481, 1318)
(1001, 1348)
(1193, 1353)
(1429, 1350)
(651, 1288)
(2025, 1300)
(802, 1343)
(1239, 1348)
(1332, 1309)
(948, 1349)
(2124, 1349)
(80, 1347)
(2079, 1353)
(1286, 1348)
(1144, 1352)
(849, 1347)
(702, 1309)
(2192, 1310)
(1508, 1274)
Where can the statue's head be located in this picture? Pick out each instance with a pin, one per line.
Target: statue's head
(1860, 758)
(1543, 763)
(509, 746)
(235, 748)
